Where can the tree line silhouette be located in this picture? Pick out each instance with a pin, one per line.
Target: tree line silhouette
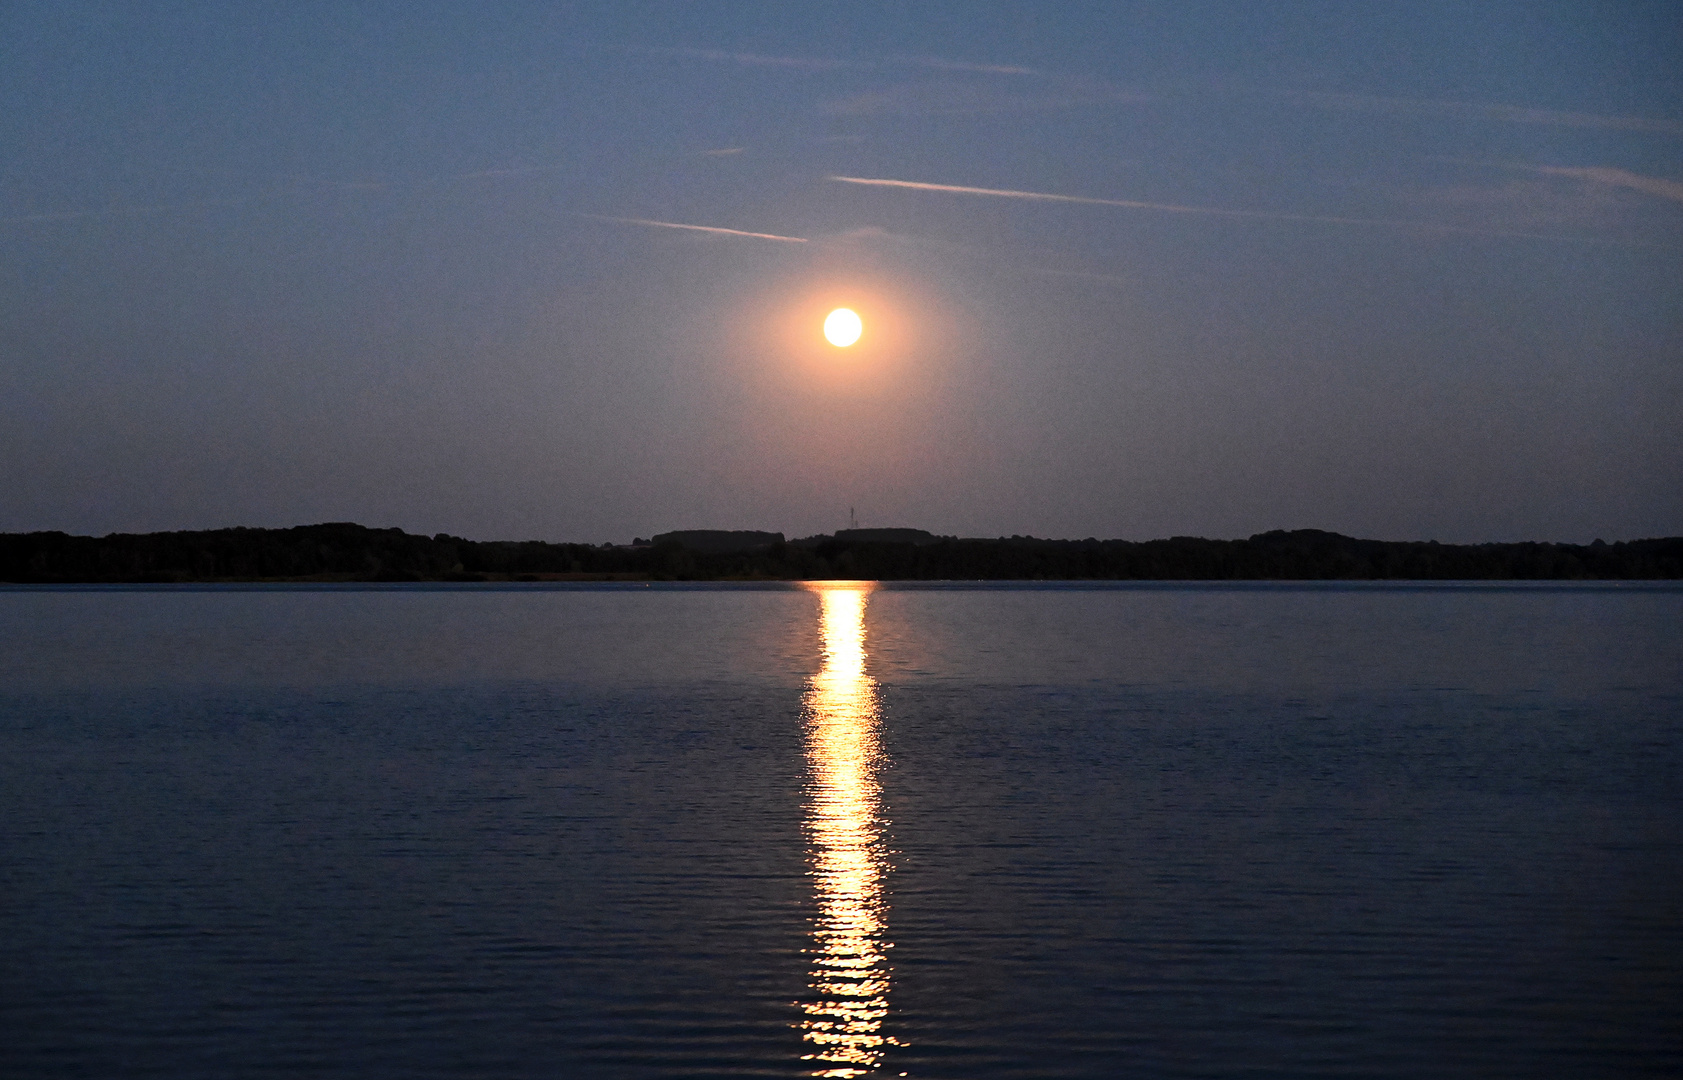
(348, 552)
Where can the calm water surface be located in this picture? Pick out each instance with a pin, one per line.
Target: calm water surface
(1153, 831)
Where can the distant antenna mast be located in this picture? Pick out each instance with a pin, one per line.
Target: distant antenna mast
(852, 520)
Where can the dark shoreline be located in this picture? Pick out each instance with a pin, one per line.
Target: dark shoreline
(340, 552)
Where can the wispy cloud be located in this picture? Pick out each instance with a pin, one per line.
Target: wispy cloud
(959, 65)
(948, 97)
(1605, 199)
(747, 59)
(52, 216)
(1602, 174)
(533, 170)
(711, 229)
(1514, 114)
(1208, 211)
(1081, 275)
(825, 63)
(75, 215)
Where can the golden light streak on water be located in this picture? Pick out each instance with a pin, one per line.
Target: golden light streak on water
(850, 972)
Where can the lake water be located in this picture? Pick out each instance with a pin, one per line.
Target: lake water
(681, 831)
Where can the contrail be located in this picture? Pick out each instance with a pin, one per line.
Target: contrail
(1209, 211)
(698, 228)
(1132, 204)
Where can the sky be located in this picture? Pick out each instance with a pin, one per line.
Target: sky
(543, 271)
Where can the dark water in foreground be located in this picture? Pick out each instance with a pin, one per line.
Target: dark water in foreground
(1040, 832)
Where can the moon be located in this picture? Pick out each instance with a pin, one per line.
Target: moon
(842, 327)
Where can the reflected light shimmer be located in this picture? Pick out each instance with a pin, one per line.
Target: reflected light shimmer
(850, 972)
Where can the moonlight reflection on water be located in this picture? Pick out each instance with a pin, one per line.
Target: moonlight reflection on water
(848, 1003)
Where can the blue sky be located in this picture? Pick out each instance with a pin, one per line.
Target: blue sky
(1406, 271)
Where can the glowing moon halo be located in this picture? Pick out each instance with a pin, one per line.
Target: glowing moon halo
(842, 327)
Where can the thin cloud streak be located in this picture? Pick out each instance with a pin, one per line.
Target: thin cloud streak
(53, 216)
(1515, 114)
(959, 65)
(1603, 174)
(293, 185)
(820, 63)
(713, 229)
(958, 97)
(483, 174)
(755, 59)
(75, 215)
(1080, 275)
(1211, 211)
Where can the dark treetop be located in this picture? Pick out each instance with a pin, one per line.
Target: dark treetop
(349, 552)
